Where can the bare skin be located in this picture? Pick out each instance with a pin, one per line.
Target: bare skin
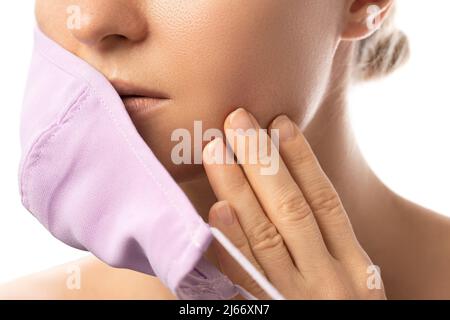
(413, 235)
(410, 243)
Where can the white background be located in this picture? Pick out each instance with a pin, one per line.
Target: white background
(401, 123)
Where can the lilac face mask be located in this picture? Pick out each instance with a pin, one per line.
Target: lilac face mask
(90, 179)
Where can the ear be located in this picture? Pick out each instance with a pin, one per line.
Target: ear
(364, 17)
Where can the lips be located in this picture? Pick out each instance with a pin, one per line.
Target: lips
(138, 99)
(135, 104)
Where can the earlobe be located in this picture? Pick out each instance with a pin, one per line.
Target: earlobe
(364, 17)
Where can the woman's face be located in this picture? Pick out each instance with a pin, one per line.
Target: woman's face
(207, 57)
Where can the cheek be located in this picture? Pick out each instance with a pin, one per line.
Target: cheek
(257, 56)
(220, 57)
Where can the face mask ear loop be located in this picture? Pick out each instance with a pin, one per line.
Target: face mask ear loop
(248, 267)
(247, 295)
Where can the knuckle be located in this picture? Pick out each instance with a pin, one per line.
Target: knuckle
(302, 158)
(265, 237)
(240, 242)
(326, 201)
(291, 204)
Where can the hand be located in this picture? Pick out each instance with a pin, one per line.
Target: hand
(290, 224)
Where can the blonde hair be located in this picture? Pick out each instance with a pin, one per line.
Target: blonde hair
(382, 53)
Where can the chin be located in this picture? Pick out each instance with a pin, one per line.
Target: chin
(162, 146)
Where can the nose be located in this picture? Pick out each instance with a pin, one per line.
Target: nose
(102, 20)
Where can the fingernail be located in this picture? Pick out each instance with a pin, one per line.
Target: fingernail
(225, 214)
(240, 119)
(285, 127)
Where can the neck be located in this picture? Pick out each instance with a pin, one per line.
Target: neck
(362, 193)
(380, 218)
(364, 196)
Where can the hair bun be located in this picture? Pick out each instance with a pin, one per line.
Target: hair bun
(382, 53)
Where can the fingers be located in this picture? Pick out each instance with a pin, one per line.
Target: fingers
(289, 220)
(277, 192)
(317, 189)
(229, 183)
(222, 217)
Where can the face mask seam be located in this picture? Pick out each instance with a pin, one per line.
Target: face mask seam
(117, 126)
(191, 230)
(42, 142)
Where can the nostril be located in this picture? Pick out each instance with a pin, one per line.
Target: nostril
(102, 38)
(115, 37)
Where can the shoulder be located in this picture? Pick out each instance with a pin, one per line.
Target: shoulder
(88, 278)
(423, 253)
